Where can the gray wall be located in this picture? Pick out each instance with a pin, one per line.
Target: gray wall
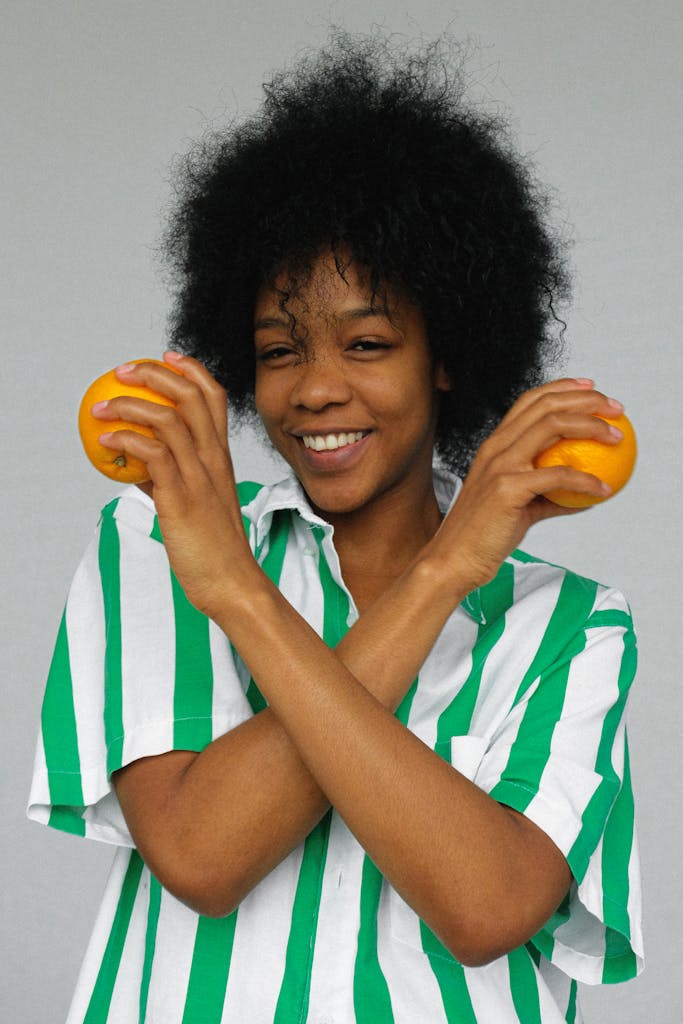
(97, 98)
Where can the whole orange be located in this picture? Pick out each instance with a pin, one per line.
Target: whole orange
(116, 465)
(611, 463)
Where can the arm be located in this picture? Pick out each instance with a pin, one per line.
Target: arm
(346, 736)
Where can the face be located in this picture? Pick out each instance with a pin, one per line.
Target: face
(350, 399)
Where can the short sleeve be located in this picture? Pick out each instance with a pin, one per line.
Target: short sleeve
(561, 758)
(136, 671)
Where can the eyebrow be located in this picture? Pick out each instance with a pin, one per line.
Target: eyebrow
(358, 313)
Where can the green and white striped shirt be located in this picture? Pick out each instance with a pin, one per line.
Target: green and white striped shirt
(524, 692)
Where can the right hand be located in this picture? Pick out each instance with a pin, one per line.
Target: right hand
(192, 480)
(502, 495)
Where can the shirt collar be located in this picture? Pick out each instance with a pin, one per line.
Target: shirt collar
(288, 495)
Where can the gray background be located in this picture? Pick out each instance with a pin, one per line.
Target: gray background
(96, 99)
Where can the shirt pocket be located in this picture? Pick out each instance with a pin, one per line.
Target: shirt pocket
(404, 924)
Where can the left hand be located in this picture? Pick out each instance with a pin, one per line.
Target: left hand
(192, 480)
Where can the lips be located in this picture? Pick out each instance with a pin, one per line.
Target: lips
(332, 450)
(331, 442)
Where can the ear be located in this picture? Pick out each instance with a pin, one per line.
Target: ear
(442, 380)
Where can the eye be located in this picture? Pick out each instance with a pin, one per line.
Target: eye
(275, 355)
(370, 345)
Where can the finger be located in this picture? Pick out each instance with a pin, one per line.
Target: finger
(555, 414)
(161, 466)
(168, 427)
(215, 395)
(186, 394)
(541, 482)
(528, 398)
(202, 404)
(565, 426)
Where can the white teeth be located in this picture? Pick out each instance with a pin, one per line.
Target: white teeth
(329, 442)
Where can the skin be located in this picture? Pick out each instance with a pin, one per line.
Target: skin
(482, 876)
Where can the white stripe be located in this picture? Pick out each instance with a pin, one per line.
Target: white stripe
(38, 808)
(414, 990)
(490, 995)
(98, 942)
(125, 1001)
(299, 581)
(85, 633)
(259, 950)
(495, 760)
(147, 646)
(229, 705)
(592, 688)
(508, 663)
(635, 908)
(336, 938)
(175, 939)
(450, 659)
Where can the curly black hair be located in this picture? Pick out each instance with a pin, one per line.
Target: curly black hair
(375, 155)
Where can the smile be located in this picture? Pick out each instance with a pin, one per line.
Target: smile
(330, 442)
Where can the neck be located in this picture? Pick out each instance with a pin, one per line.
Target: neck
(381, 539)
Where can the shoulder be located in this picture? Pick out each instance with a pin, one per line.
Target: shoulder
(528, 588)
(133, 509)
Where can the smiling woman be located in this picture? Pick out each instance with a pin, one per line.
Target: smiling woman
(350, 371)
(364, 759)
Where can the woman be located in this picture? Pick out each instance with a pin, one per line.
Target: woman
(370, 757)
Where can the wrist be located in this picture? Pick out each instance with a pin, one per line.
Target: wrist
(449, 578)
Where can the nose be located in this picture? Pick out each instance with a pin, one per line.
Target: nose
(321, 381)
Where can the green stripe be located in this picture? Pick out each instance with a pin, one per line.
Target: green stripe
(98, 1008)
(336, 601)
(210, 968)
(450, 977)
(456, 719)
(193, 692)
(110, 573)
(60, 737)
(544, 940)
(292, 1004)
(570, 1015)
(295, 991)
(150, 942)
(598, 809)
(616, 855)
(67, 819)
(524, 986)
(247, 491)
(559, 646)
(371, 998)
(610, 617)
(620, 960)
(272, 566)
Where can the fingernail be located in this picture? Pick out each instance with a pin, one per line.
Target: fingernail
(98, 407)
(173, 357)
(103, 438)
(615, 432)
(615, 404)
(605, 488)
(584, 381)
(125, 367)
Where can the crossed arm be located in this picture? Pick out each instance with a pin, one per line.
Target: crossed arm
(483, 877)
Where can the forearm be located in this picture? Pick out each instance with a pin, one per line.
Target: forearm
(468, 866)
(249, 792)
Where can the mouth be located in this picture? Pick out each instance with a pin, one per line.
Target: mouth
(332, 442)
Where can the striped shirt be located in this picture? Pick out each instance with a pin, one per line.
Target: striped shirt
(524, 692)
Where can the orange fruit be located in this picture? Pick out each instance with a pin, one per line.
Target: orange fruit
(611, 463)
(116, 465)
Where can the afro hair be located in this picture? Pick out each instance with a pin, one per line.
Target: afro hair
(375, 155)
